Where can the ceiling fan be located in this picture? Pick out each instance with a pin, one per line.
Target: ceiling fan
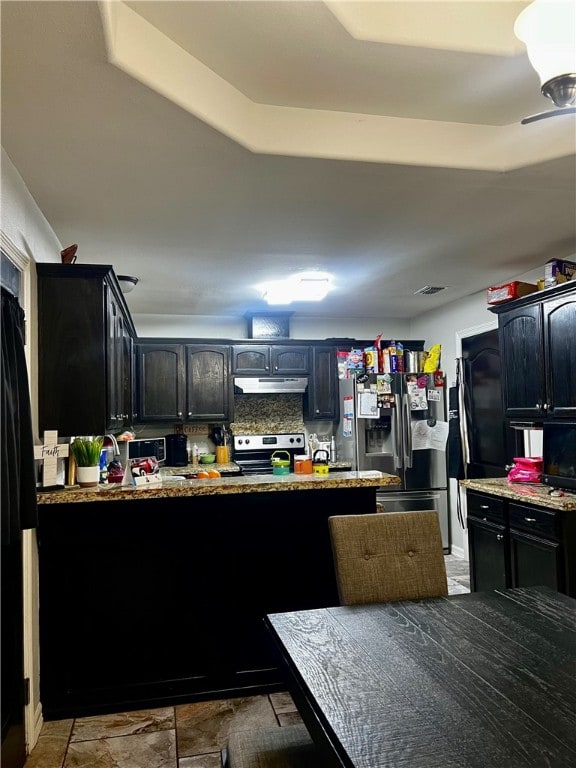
(548, 28)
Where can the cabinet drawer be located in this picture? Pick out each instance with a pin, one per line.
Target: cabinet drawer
(540, 522)
(484, 507)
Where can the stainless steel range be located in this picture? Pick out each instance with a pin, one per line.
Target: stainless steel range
(253, 453)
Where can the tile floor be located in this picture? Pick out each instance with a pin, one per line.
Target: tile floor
(183, 736)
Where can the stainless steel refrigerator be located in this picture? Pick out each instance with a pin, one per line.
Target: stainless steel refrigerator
(397, 423)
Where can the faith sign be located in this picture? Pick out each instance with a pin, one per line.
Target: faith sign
(49, 453)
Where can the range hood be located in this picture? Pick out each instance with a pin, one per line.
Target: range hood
(270, 385)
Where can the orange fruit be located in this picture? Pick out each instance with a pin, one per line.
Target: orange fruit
(202, 474)
(214, 473)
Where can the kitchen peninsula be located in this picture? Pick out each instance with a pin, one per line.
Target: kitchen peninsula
(156, 596)
(520, 535)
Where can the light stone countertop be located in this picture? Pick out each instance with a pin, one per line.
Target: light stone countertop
(242, 484)
(532, 493)
(233, 467)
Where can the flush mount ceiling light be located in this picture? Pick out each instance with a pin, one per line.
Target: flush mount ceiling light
(127, 282)
(303, 286)
(548, 28)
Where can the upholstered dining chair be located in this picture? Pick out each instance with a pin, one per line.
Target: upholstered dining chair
(387, 556)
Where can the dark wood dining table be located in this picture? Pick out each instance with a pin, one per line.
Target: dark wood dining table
(468, 681)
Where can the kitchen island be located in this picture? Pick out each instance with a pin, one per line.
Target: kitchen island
(157, 596)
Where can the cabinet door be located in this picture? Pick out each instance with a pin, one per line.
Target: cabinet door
(72, 349)
(251, 359)
(523, 362)
(560, 356)
(161, 386)
(321, 401)
(82, 319)
(127, 368)
(535, 561)
(488, 556)
(289, 360)
(113, 364)
(118, 366)
(208, 383)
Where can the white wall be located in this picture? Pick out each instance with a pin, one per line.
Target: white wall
(301, 327)
(27, 235)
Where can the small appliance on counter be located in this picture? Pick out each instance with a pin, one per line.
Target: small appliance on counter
(141, 449)
(176, 451)
(559, 454)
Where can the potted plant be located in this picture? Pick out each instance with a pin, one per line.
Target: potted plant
(86, 452)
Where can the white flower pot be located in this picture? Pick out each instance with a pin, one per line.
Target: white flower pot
(87, 477)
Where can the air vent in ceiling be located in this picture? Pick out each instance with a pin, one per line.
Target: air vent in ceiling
(428, 290)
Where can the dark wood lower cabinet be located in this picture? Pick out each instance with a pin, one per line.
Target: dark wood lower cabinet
(145, 603)
(536, 562)
(520, 545)
(488, 556)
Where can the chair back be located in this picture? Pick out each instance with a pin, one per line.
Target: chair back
(381, 557)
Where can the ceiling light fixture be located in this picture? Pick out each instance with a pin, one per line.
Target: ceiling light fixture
(127, 282)
(303, 286)
(548, 29)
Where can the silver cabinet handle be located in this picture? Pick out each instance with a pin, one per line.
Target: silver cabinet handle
(179, 413)
(530, 519)
(484, 506)
(189, 413)
(499, 537)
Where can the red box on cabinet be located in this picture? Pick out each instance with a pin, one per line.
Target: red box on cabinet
(513, 290)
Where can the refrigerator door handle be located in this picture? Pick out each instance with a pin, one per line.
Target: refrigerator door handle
(407, 418)
(398, 440)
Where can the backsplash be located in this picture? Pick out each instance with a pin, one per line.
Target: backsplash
(255, 414)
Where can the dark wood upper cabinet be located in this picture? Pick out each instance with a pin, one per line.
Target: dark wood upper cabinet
(183, 382)
(559, 318)
(288, 360)
(321, 398)
(539, 354)
(270, 360)
(85, 335)
(208, 383)
(161, 381)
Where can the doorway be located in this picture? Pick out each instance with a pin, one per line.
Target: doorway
(12, 609)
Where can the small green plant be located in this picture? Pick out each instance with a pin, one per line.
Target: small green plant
(86, 451)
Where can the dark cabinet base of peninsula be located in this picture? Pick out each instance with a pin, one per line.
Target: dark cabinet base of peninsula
(520, 545)
(153, 602)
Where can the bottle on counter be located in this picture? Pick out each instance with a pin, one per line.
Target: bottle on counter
(332, 448)
(195, 455)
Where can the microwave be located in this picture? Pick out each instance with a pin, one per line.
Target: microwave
(142, 449)
(559, 454)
